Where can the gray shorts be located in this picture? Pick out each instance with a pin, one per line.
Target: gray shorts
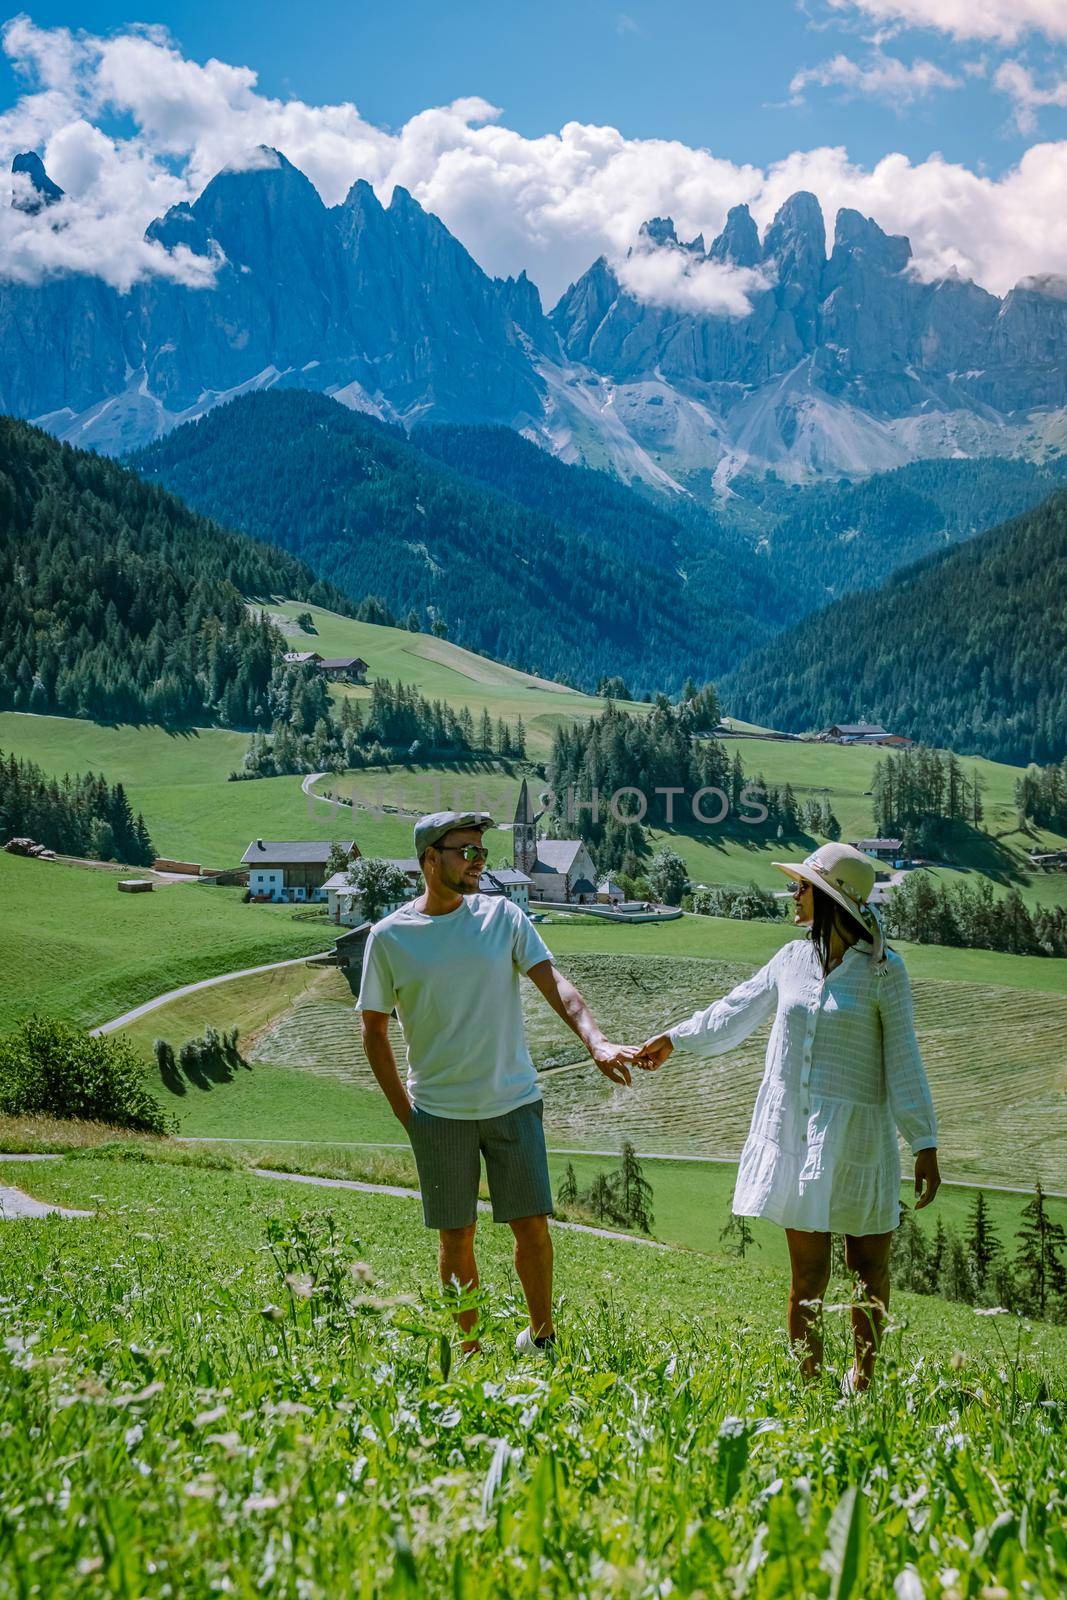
(447, 1154)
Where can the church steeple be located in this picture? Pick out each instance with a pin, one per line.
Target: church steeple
(524, 832)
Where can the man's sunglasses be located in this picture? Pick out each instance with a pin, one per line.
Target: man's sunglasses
(469, 852)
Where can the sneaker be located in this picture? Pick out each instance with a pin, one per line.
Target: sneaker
(527, 1345)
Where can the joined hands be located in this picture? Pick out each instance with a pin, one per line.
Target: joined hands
(615, 1060)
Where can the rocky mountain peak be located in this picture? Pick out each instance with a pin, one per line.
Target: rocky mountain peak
(738, 243)
(659, 230)
(797, 236)
(361, 197)
(45, 192)
(855, 234)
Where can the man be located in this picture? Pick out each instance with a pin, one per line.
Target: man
(449, 962)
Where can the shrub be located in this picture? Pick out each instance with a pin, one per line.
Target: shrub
(748, 902)
(51, 1067)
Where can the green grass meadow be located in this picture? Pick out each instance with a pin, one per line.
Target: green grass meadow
(222, 1384)
(72, 946)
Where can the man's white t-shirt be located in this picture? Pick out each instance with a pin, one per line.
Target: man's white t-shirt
(454, 981)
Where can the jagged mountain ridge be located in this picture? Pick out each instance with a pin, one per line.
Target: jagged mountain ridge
(845, 362)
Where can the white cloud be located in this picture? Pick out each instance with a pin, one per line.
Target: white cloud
(884, 78)
(1027, 96)
(1002, 20)
(549, 204)
(668, 277)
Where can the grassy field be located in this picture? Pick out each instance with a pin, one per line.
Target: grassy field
(842, 775)
(180, 782)
(441, 670)
(993, 1054)
(187, 1411)
(71, 946)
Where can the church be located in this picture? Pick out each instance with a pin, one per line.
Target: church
(560, 870)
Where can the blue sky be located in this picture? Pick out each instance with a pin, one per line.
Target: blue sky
(544, 134)
(703, 71)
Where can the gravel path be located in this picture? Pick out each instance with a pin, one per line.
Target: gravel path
(13, 1203)
(191, 988)
(413, 1194)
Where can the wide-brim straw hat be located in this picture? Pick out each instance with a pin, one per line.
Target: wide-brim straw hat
(847, 876)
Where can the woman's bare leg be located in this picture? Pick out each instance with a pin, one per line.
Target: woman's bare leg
(868, 1257)
(809, 1258)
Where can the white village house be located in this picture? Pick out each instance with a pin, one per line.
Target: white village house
(290, 870)
(346, 911)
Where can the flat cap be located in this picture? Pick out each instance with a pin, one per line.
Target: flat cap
(429, 829)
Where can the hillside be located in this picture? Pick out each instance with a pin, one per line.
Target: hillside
(964, 650)
(121, 603)
(823, 540)
(512, 567)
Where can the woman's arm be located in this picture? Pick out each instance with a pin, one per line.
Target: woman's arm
(722, 1025)
(905, 1078)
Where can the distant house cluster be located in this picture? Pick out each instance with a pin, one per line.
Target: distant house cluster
(864, 733)
(339, 669)
(293, 872)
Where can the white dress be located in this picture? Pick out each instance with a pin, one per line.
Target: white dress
(843, 1074)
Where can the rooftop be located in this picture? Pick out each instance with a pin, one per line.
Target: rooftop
(556, 855)
(290, 852)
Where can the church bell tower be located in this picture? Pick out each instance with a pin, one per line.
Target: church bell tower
(524, 833)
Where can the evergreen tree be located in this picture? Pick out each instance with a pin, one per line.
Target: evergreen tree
(737, 1236)
(983, 1246)
(635, 1191)
(567, 1193)
(1040, 1272)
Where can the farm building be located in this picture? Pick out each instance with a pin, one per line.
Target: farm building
(343, 669)
(865, 733)
(300, 658)
(290, 869)
(856, 730)
(880, 849)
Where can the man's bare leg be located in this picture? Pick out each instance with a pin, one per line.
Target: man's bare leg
(868, 1257)
(456, 1257)
(809, 1258)
(533, 1263)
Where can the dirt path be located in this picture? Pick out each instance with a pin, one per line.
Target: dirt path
(13, 1203)
(191, 988)
(413, 1194)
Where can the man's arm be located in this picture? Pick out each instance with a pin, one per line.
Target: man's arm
(567, 1003)
(375, 1029)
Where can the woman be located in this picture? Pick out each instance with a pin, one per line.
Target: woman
(843, 1074)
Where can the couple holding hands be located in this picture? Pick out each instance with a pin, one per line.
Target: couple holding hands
(843, 1076)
